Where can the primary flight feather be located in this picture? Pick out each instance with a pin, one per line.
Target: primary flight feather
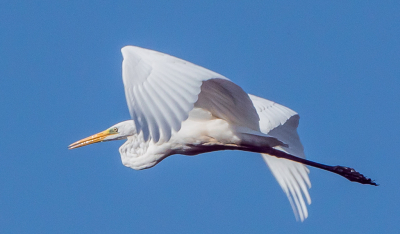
(178, 107)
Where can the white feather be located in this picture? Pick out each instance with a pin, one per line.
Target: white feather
(178, 107)
(281, 122)
(146, 72)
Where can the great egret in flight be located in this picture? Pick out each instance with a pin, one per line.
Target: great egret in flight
(178, 107)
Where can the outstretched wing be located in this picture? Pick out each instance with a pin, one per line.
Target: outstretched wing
(161, 90)
(281, 122)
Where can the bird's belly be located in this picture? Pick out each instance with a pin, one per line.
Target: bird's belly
(203, 133)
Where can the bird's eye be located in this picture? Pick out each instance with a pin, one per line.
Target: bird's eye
(115, 129)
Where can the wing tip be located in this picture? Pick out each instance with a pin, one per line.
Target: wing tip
(294, 182)
(129, 49)
(125, 48)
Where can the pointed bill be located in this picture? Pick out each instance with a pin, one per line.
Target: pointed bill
(99, 137)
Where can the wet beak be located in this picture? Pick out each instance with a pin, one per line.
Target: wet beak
(99, 137)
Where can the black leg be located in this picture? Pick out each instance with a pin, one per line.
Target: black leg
(348, 173)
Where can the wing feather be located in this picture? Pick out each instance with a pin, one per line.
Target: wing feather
(174, 101)
(161, 90)
(228, 101)
(181, 84)
(281, 122)
(163, 106)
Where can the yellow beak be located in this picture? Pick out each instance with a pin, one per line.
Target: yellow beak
(99, 137)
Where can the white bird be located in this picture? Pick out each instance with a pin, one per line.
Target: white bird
(178, 107)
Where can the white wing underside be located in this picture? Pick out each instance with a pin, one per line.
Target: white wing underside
(161, 90)
(281, 122)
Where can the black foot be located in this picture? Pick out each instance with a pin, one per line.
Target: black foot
(352, 175)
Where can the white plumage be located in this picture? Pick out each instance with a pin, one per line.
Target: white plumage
(161, 90)
(180, 108)
(281, 122)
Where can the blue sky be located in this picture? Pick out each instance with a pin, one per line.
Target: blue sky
(335, 63)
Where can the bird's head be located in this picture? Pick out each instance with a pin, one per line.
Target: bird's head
(118, 131)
